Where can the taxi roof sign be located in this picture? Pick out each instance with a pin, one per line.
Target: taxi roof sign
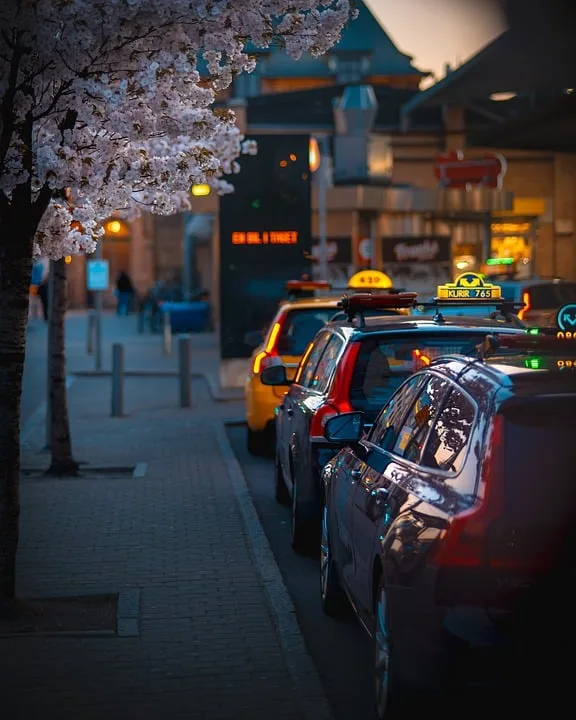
(305, 285)
(370, 280)
(566, 319)
(469, 286)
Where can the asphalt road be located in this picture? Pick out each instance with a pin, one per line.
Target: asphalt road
(340, 649)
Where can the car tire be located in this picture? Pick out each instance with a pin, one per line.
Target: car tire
(280, 490)
(257, 442)
(331, 594)
(303, 531)
(409, 674)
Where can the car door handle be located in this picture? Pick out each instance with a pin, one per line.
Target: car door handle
(289, 412)
(355, 475)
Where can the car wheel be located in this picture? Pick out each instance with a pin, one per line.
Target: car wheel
(303, 535)
(331, 593)
(257, 442)
(280, 490)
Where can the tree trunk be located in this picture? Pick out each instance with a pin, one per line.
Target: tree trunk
(62, 461)
(16, 238)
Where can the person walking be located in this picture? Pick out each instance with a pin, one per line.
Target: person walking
(43, 295)
(124, 293)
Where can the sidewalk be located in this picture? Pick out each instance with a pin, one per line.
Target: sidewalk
(217, 637)
(143, 352)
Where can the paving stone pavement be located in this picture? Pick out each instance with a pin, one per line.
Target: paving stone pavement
(218, 638)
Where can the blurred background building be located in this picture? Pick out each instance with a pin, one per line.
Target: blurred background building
(422, 184)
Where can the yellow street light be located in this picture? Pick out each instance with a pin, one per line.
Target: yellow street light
(201, 190)
(114, 226)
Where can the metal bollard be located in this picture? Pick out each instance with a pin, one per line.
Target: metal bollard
(167, 334)
(90, 335)
(184, 366)
(117, 380)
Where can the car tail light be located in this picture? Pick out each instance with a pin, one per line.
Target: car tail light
(323, 414)
(270, 349)
(464, 543)
(339, 400)
(526, 300)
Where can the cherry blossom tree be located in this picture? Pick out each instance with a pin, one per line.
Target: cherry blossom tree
(104, 97)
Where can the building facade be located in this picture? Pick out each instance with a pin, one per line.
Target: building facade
(402, 218)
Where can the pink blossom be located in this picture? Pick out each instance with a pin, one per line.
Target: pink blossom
(110, 92)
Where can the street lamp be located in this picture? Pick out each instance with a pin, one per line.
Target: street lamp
(201, 190)
(318, 159)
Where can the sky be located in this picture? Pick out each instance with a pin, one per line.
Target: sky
(436, 32)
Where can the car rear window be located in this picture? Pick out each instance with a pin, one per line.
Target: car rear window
(384, 362)
(540, 452)
(550, 296)
(300, 327)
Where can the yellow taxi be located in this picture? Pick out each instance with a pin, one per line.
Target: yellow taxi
(296, 323)
(293, 327)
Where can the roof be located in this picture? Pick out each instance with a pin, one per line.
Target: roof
(363, 36)
(314, 109)
(514, 62)
(536, 54)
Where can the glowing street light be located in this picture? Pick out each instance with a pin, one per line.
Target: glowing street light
(201, 190)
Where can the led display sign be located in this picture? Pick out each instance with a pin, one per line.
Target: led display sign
(265, 237)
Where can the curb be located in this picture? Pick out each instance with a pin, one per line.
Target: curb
(301, 668)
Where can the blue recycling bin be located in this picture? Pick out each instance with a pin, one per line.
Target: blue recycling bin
(187, 316)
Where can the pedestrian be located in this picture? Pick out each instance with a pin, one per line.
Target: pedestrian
(43, 295)
(124, 293)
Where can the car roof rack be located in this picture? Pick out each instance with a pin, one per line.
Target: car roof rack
(355, 305)
(505, 309)
(528, 341)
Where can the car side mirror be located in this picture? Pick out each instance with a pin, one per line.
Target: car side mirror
(274, 375)
(345, 428)
(254, 338)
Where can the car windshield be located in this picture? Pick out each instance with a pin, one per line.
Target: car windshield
(385, 361)
(299, 328)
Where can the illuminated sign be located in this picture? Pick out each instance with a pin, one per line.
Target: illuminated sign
(566, 319)
(566, 335)
(566, 364)
(266, 237)
(469, 286)
(370, 279)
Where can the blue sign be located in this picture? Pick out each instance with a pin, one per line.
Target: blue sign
(97, 275)
(566, 318)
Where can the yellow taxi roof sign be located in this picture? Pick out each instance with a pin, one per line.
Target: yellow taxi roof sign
(370, 279)
(469, 286)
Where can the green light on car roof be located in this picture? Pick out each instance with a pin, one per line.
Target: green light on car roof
(532, 363)
(533, 331)
(500, 261)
